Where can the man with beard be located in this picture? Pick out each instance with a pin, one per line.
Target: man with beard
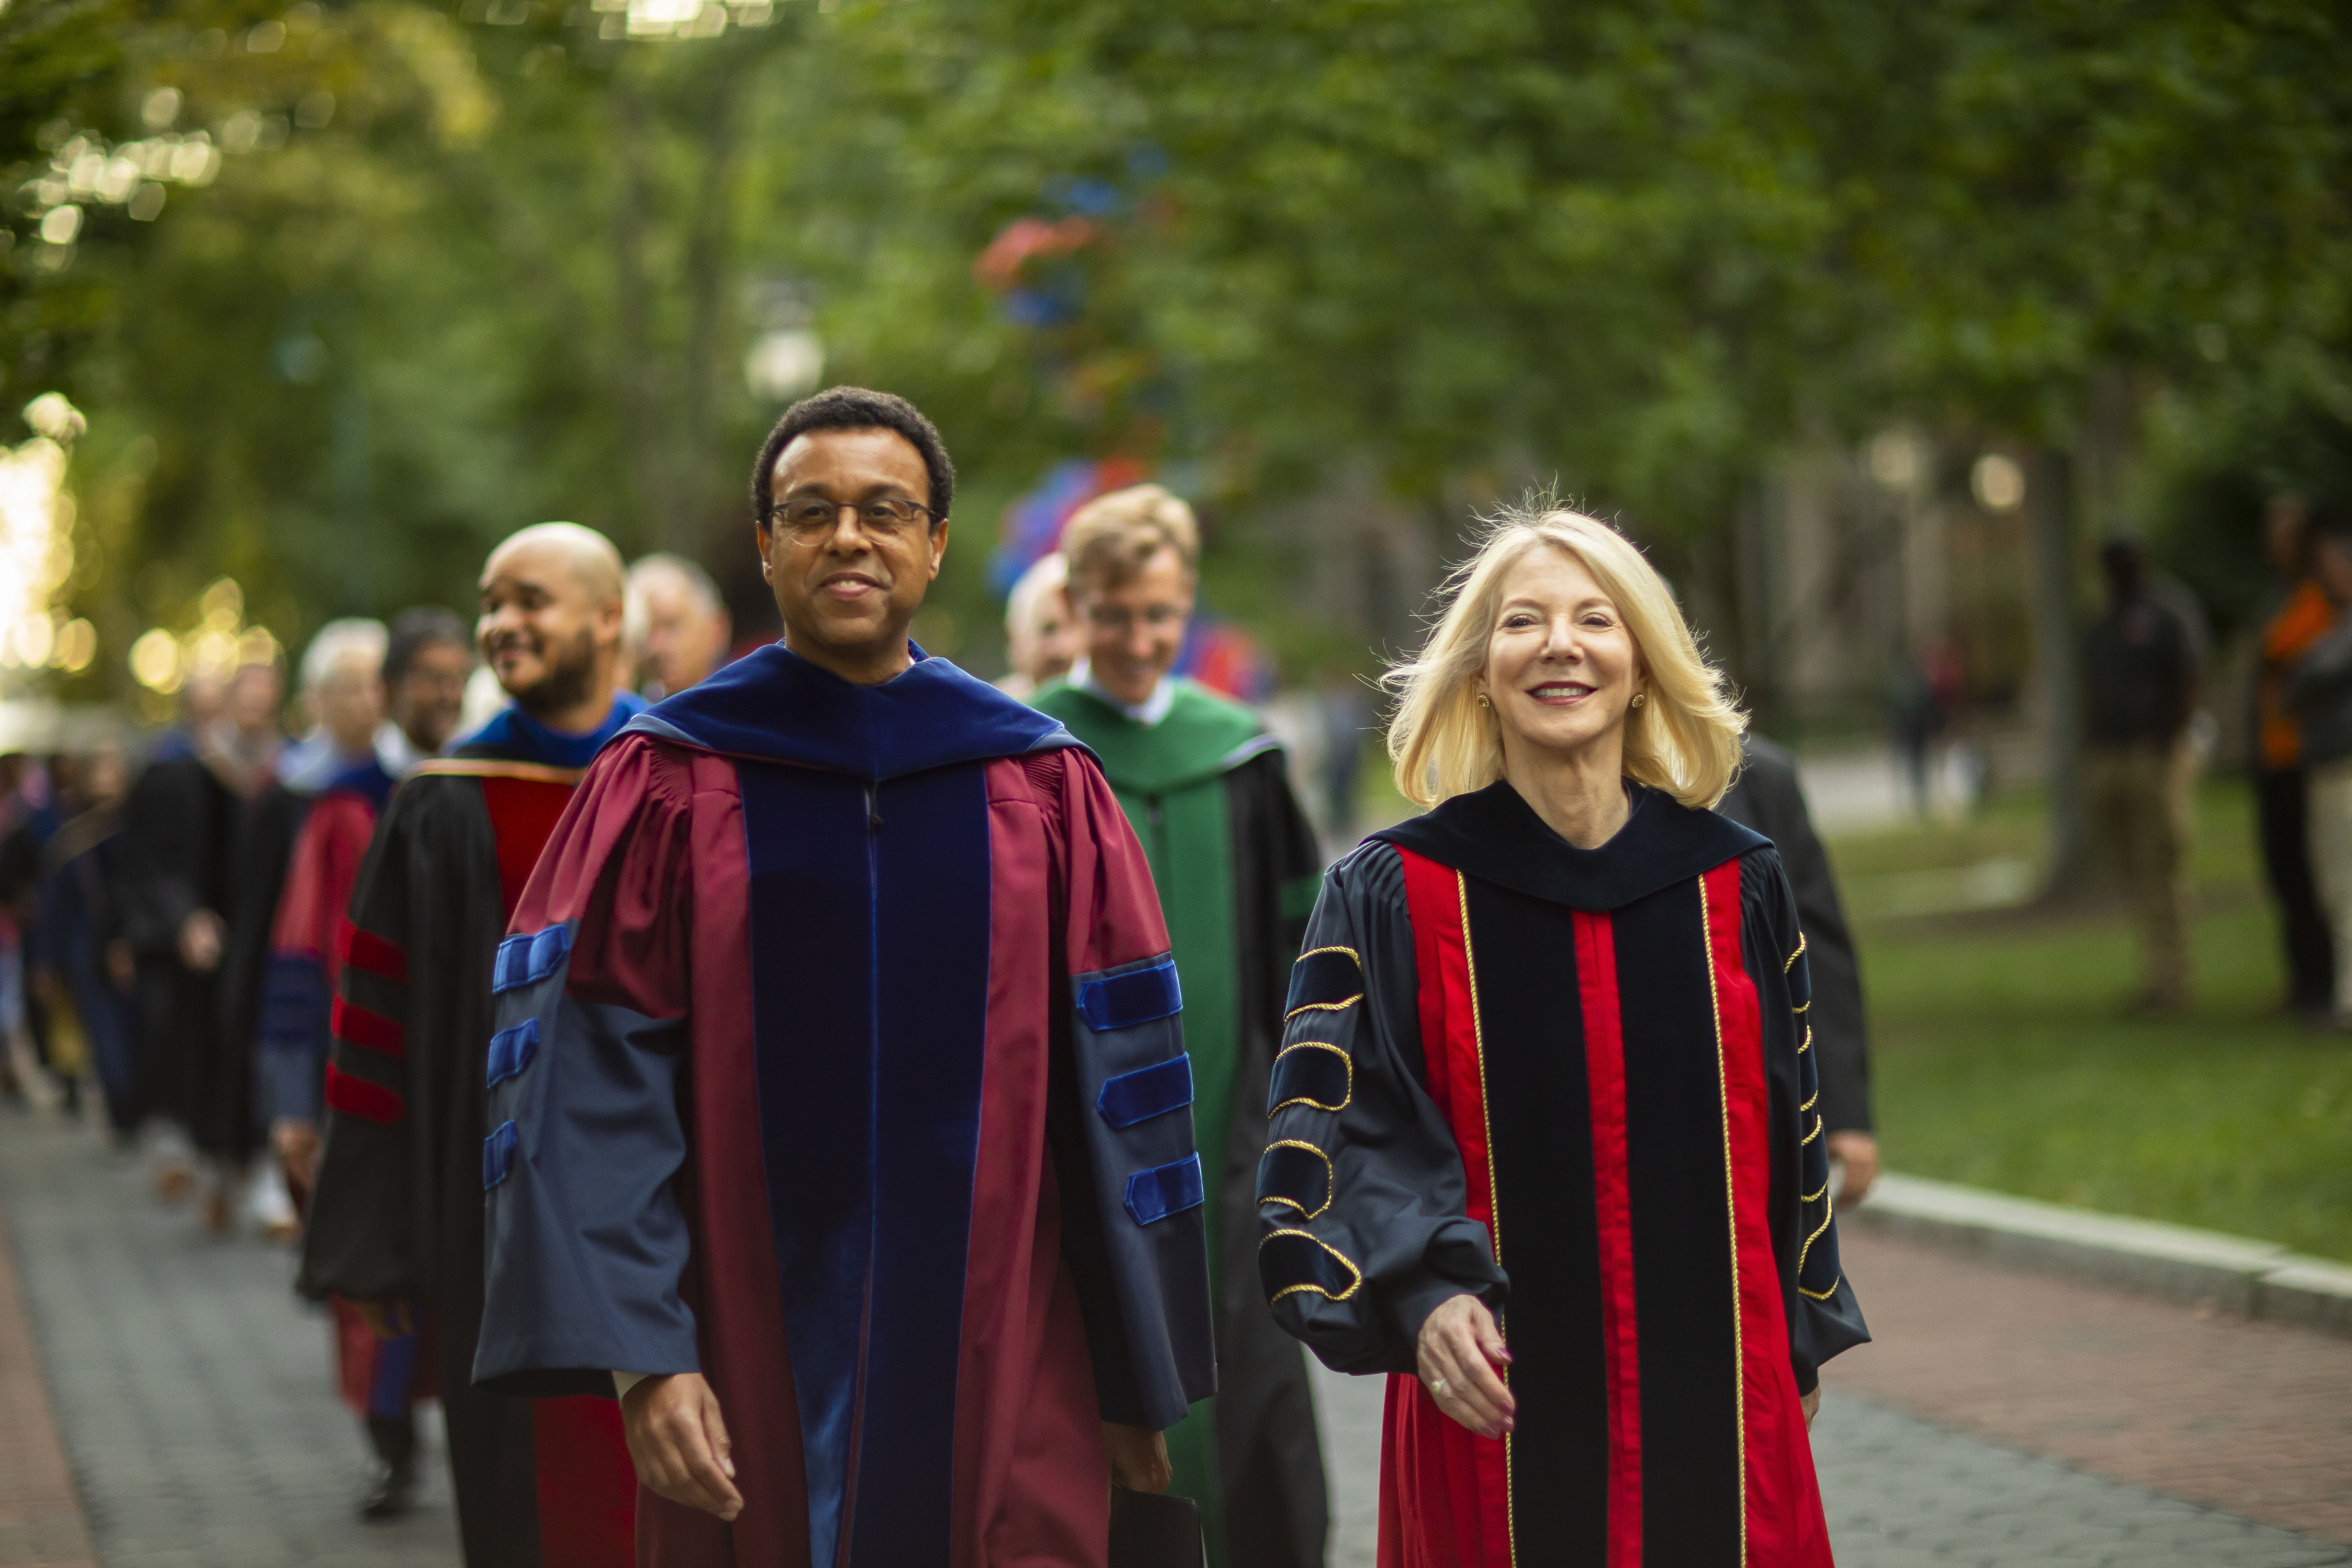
(421, 671)
(205, 841)
(839, 1099)
(395, 1222)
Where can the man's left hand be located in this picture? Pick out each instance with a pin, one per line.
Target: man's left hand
(1858, 1152)
(1139, 1457)
(1812, 1406)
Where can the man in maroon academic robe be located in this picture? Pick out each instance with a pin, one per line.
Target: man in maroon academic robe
(841, 1107)
(395, 1221)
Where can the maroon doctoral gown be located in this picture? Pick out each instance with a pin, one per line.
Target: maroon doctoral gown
(838, 1059)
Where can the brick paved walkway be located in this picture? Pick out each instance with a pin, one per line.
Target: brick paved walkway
(2253, 1418)
(1963, 1437)
(192, 1387)
(41, 1516)
(191, 1393)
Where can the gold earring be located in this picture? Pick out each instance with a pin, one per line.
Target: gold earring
(1640, 697)
(1482, 701)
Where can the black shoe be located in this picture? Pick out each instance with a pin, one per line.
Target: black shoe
(392, 1491)
(389, 1494)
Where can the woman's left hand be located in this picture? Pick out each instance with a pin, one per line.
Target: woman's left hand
(1459, 1350)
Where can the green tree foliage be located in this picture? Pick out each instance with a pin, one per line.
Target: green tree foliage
(512, 272)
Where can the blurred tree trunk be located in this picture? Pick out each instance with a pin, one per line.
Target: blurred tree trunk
(687, 524)
(638, 372)
(2050, 506)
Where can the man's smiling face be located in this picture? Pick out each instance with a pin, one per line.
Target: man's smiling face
(848, 583)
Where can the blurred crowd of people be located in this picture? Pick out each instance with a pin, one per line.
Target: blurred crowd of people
(172, 913)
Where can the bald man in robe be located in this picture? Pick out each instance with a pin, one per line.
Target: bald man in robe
(396, 1226)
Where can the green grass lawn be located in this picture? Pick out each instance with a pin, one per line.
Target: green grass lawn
(2003, 1056)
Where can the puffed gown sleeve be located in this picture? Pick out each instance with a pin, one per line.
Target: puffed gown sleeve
(1133, 1190)
(588, 1241)
(1363, 1228)
(1824, 1319)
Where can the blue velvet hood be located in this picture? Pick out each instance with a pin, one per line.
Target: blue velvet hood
(775, 706)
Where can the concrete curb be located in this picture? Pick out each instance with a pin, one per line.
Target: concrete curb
(2249, 1279)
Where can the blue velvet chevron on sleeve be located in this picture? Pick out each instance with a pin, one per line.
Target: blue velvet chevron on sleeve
(586, 1241)
(1136, 1082)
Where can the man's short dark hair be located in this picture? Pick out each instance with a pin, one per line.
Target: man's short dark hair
(413, 631)
(855, 408)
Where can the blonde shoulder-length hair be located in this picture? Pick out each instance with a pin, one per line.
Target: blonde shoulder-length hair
(1685, 740)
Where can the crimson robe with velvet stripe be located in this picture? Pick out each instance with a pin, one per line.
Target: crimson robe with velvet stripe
(838, 1060)
(396, 1216)
(1576, 1083)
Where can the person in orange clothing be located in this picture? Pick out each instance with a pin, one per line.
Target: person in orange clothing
(2301, 614)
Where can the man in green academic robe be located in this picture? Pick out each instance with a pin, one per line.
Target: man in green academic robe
(1236, 867)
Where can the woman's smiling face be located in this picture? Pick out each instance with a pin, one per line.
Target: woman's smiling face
(1561, 668)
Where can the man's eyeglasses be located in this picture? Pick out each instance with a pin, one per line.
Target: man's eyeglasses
(885, 517)
(1119, 617)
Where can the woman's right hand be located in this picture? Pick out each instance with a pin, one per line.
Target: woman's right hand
(1459, 1353)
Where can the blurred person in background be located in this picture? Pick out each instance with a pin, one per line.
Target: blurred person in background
(1346, 709)
(677, 626)
(203, 699)
(395, 1221)
(341, 689)
(2141, 670)
(426, 670)
(2318, 694)
(27, 818)
(1235, 864)
(1041, 638)
(425, 658)
(199, 832)
(1766, 796)
(2298, 614)
(1912, 722)
(82, 922)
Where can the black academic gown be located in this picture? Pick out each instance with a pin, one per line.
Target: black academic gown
(262, 830)
(1577, 1084)
(1767, 797)
(179, 825)
(396, 1214)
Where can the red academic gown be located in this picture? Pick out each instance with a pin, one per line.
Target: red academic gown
(377, 1377)
(398, 1212)
(1579, 1084)
(838, 1060)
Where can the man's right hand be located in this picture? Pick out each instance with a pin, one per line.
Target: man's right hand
(680, 1445)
